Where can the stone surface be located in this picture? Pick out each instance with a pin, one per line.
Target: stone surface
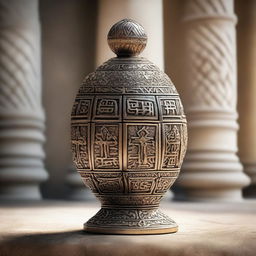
(22, 116)
(211, 170)
(55, 228)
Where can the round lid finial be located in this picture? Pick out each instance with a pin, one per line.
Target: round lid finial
(127, 38)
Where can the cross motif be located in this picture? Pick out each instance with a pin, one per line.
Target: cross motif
(142, 141)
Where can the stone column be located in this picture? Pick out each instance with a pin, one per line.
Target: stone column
(246, 30)
(22, 116)
(212, 170)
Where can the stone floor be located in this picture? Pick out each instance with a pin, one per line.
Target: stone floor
(55, 228)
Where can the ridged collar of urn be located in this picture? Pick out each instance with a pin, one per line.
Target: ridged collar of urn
(127, 38)
(128, 72)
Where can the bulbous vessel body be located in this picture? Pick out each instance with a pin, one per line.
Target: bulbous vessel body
(129, 138)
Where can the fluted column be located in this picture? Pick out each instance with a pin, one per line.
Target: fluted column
(212, 170)
(246, 11)
(22, 116)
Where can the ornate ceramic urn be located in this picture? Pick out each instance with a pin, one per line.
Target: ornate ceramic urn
(129, 137)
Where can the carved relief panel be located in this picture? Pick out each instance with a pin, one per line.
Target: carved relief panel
(109, 182)
(106, 146)
(170, 108)
(107, 107)
(141, 149)
(80, 145)
(136, 107)
(171, 145)
(82, 108)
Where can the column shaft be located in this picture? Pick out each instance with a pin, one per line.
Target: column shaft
(22, 116)
(246, 29)
(212, 170)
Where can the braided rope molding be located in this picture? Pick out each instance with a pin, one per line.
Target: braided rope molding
(209, 9)
(18, 75)
(211, 170)
(212, 58)
(21, 112)
(212, 61)
(20, 67)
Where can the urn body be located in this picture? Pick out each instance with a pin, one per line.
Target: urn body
(129, 138)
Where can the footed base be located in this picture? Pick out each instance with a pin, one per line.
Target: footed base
(130, 221)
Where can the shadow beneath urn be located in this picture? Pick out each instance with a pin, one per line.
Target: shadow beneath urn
(78, 242)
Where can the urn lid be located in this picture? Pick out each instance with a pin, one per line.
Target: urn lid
(127, 38)
(127, 73)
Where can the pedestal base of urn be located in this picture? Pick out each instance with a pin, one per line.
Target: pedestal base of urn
(133, 221)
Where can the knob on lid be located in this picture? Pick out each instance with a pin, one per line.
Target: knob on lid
(127, 38)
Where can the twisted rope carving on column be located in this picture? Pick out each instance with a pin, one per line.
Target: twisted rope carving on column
(212, 55)
(212, 76)
(18, 71)
(211, 170)
(208, 8)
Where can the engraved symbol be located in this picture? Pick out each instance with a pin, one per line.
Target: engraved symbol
(142, 141)
(84, 107)
(81, 107)
(172, 147)
(169, 107)
(141, 148)
(80, 146)
(110, 185)
(105, 140)
(140, 107)
(164, 184)
(106, 147)
(107, 107)
(141, 185)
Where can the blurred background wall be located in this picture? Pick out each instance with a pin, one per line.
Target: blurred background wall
(68, 55)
